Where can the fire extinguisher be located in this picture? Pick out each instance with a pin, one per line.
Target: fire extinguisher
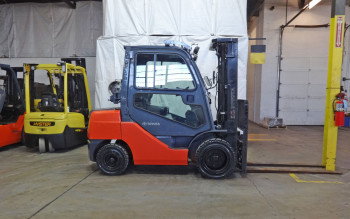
(340, 104)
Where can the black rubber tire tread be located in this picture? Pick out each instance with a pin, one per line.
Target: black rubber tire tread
(219, 144)
(23, 142)
(103, 151)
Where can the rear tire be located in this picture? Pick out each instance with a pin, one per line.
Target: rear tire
(216, 158)
(51, 148)
(112, 159)
(42, 145)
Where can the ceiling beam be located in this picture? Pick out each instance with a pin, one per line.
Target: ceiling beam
(71, 3)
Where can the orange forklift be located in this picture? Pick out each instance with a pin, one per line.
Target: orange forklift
(165, 117)
(12, 105)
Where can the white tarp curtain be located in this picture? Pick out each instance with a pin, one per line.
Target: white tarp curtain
(150, 22)
(50, 29)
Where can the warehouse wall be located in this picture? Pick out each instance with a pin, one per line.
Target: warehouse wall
(304, 65)
(255, 30)
(251, 69)
(43, 33)
(50, 29)
(346, 58)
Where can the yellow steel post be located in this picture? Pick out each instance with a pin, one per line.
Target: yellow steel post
(65, 85)
(335, 58)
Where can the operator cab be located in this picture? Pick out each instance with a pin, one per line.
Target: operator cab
(11, 94)
(165, 94)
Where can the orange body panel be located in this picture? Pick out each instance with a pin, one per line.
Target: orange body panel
(105, 124)
(11, 133)
(148, 150)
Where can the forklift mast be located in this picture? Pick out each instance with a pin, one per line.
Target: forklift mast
(78, 61)
(226, 51)
(232, 114)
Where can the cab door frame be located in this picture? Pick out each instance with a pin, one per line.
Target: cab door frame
(172, 133)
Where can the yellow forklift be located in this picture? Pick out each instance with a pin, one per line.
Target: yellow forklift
(57, 104)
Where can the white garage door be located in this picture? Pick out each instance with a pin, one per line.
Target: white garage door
(304, 76)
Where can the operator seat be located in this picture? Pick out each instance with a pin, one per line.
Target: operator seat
(49, 103)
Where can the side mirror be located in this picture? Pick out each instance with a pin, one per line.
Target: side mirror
(115, 90)
(207, 81)
(195, 51)
(115, 87)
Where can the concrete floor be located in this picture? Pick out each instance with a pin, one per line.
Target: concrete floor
(67, 185)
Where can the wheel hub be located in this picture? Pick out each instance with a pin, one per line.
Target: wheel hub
(215, 159)
(112, 159)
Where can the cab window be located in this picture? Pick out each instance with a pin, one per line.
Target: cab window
(163, 71)
(171, 106)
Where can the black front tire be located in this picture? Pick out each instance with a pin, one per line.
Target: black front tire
(216, 158)
(23, 141)
(112, 159)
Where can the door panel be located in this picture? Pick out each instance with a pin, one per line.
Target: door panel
(171, 107)
(165, 99)
(304, 76)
